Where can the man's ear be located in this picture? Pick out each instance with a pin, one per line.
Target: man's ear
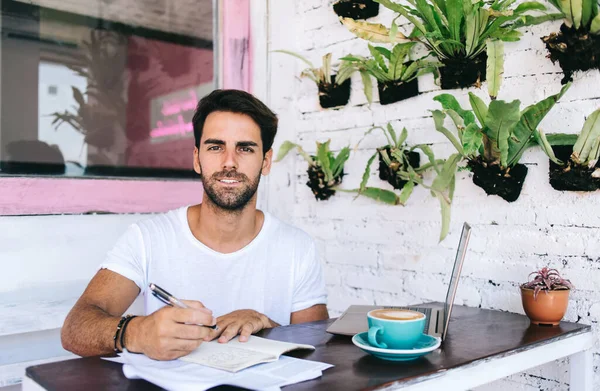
(197, 161)
(267, 161)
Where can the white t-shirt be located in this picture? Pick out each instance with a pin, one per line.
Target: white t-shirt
(276, 274)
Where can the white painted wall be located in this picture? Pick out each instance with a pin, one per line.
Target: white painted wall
(378, 254)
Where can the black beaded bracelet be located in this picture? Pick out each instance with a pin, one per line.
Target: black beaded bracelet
(129, 317)
(123, 319)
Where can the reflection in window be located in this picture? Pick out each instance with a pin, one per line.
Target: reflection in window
(84, 91)
(56, 85)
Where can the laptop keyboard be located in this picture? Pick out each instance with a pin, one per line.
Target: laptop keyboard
(426, 311)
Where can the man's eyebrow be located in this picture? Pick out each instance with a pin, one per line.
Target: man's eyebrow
(246, 144)
(238, 144)
(214, 141)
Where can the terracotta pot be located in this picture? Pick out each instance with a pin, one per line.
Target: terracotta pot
(548, 308)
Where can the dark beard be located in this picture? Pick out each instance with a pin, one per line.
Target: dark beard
(234, 199)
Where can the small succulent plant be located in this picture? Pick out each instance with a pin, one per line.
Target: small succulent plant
(547, 280)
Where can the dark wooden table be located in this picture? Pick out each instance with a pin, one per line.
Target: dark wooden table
(482, 346)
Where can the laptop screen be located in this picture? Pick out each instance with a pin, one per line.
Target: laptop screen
(458, 262)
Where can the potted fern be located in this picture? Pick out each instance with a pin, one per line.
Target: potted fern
(356, 9)
(399, 166)
(493, 137)
(457, 32)
(545, 298)
(334, 89)
(396, 76)
(395, 156)
(574, 159)
(325, 170)
(576, 46)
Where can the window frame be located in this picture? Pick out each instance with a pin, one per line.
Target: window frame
(48, 195)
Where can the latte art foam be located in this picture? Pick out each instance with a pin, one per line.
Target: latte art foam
(397, 314)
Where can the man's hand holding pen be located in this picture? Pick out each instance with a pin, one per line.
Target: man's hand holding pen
(180, 327)
(170, 332)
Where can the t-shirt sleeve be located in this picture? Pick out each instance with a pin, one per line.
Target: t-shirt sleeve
(310, 285)
(127, 257)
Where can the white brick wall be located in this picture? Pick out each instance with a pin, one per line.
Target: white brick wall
(380, 254)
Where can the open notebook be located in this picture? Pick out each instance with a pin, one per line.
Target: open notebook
(235, 355)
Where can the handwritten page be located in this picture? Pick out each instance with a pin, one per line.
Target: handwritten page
(235, 355)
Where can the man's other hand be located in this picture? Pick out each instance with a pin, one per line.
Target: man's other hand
(242, 322)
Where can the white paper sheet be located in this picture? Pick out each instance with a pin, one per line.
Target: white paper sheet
(181, 376)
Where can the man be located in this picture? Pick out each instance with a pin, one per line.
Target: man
(237, 266)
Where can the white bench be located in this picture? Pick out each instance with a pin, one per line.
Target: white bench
(30, 327)
(31, 324)
(47, 263)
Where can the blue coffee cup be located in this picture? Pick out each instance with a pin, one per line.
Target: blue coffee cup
(395, 328)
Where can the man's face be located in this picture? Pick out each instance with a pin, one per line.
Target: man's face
(230, 159)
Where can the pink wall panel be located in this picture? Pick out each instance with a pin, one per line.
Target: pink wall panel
(237, 64)
(28, 196)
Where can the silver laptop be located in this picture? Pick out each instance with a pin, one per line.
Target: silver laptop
(354, 319)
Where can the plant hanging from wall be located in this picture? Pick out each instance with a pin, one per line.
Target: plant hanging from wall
(334, 90)
(574, 159)
(399, 166)
(494, 137)
(457, 32)
(396, 77)
(396, 157)
(577, 46)
(325, 170)
(356, 9)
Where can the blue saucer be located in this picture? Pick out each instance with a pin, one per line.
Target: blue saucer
(425, 345)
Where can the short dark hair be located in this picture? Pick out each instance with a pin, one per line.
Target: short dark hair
(236, 101)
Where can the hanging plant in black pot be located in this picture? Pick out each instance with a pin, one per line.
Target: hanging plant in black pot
(400, 167)
(393, 91)
(576, 46)
(574, 159)
(497, 180)
(389, 164)
(396, 77)
(356, 9)
(453, 33)
(325, 170)
(494, 137)
(461, 72)
(333, 94)
(334, 90)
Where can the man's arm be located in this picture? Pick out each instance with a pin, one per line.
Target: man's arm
(311, 314)
(91, 324)
(164, 335)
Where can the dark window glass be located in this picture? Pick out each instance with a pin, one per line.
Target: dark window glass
(102, 87)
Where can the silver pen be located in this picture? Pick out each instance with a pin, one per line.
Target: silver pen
(171, 300)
